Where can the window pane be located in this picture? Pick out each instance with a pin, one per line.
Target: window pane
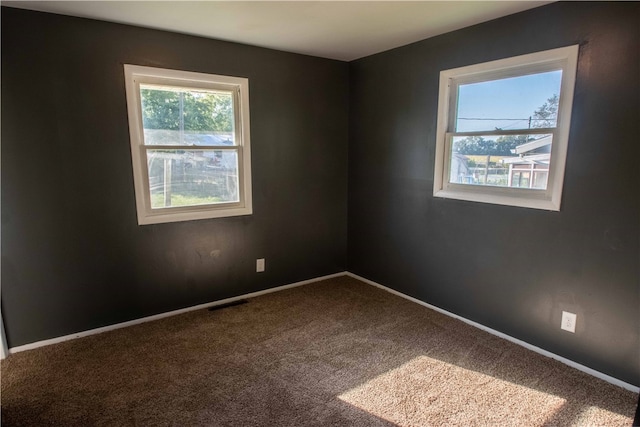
(192, 177)
(501, 160)
(178, 116)
(523, 102)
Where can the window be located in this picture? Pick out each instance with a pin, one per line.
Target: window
(189, 144)
(503, 128)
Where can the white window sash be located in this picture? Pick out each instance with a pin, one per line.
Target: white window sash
(564, 59)
(238, 87)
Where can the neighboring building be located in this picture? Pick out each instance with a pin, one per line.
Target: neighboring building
(459, 171)
(531, 168)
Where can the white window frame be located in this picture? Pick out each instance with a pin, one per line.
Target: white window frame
(135, 76)
(564, 59)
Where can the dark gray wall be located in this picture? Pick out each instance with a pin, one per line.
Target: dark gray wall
(511, 269)
(73, 256)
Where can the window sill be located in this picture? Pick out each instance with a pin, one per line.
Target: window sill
(164, 217)
(499, 199)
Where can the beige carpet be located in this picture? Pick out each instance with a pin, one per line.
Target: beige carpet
(334, 353)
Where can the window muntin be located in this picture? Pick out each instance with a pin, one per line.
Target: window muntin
(488, 148)
(189, 144)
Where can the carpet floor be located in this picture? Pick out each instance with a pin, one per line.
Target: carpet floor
(334, 353)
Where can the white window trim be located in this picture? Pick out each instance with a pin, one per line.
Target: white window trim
(134, 76)
(565, 58)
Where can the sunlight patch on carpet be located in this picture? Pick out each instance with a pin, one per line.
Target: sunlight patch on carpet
(595, 416)
(426, 391)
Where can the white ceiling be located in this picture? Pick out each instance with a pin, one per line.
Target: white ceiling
(344, 30)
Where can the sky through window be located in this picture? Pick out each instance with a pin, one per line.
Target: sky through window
(509, 102)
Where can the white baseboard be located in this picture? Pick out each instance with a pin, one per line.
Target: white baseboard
(524, 344)
(57, 340)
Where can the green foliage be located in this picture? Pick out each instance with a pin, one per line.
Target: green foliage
(157, 200)
(547, 115)
(201, 111)
(477, 145)
(510, 142)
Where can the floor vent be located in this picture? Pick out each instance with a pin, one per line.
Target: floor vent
(229, 304)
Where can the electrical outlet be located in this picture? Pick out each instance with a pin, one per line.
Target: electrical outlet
(568, 321)
(260, 265)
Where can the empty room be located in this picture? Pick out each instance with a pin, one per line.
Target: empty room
(320, 213)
